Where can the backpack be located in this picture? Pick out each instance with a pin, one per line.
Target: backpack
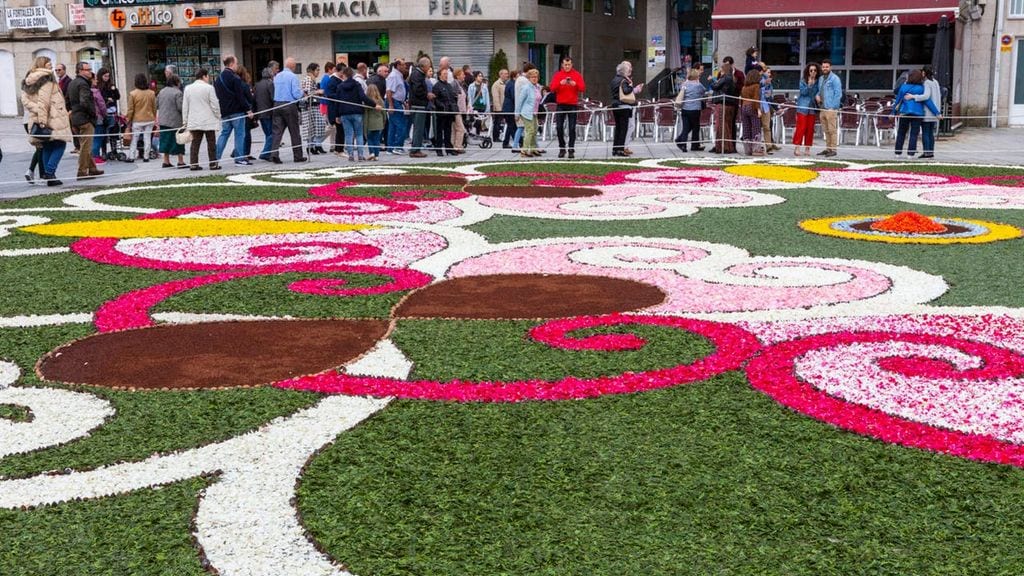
(480, 102)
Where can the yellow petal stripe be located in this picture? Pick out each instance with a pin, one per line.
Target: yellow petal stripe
(186, 228)
(996, 231)
(779, 173)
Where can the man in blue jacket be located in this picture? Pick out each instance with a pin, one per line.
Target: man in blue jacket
(287, 93)
(830, 99)
(235, 98)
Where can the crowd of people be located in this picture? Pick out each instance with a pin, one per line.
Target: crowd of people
(409, 108)
(747, 97)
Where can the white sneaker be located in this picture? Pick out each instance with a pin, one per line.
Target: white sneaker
(28, 176)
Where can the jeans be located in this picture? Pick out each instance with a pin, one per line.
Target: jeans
(397, 130)
(913, 124)
(267, 125)
(354, 143)
(691, 129)
(928, 136)
(234, 123)
(373, 139)
(622, 115)
(145, 131)
(98, 138)
(419, 122)
(566, 113)
(52, 152)
(529, 134)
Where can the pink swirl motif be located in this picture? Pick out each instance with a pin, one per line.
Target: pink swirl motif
(637, 193)
(881, 180)
(723, 293)
(733, 346)
(132, 309)
(975, 196)
(984, 383)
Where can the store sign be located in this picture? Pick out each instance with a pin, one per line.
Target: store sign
(454, 8)
(878, 20)
(350, 9)
(76, 14)
(203, 17)
(31, 18)
(141, 18)
(526, 34)
(131, 3)
(783, 23)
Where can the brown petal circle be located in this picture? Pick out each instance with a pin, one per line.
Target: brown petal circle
(211, 355)
(508, 296)
(409, 180)
(533, 191)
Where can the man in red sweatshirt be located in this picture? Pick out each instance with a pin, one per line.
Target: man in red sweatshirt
(567, 86)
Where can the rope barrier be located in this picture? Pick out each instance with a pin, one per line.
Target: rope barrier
(587, 145)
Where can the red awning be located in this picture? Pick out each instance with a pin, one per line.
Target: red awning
(775, 14)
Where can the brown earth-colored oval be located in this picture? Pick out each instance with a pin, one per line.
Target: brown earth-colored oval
(532, 191)
(409, 180)
(211, 355)
(509, 296)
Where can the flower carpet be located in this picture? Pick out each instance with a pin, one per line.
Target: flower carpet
(655, 367)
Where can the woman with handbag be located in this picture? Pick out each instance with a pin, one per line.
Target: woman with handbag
(168, 106)
(623, 94)
(49, 120)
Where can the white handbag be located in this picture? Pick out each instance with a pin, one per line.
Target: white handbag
(182, 136)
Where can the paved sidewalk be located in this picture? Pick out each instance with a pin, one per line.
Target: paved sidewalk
(974, 145)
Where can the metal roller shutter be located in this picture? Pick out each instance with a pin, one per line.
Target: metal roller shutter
(473, 47)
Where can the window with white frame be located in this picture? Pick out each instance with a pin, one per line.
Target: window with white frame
(1016, 8)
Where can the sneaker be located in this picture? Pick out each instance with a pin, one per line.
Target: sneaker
(242, 162)
(97, 160)
(28, 176)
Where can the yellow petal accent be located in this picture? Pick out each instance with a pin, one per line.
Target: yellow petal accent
(779, 173)
(186, 228)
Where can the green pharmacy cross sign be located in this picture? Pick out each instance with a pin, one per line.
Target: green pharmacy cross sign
(526, 34)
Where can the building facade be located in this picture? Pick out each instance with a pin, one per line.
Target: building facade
(144, 37)
(870, 43)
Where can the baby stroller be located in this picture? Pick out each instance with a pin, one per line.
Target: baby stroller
(477, 122)
(115, 140)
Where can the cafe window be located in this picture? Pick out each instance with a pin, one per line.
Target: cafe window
(873, 80)
(828, 43)
(786, 79)
(780, 47)
(916, 44)
(872, 46)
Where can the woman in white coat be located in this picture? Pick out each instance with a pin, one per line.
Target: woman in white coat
(200, 115)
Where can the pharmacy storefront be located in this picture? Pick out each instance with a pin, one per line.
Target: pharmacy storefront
(191, 35)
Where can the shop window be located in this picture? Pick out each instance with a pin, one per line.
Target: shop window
(780, 47)
(634, 57)
(188, 52)
(631, 9)
(696, 38)
(916, 44)
(568, 4)
(829, 43)
(609, 7)
(872, 80)
(872, 46)
(786, 80)
(588, 5)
